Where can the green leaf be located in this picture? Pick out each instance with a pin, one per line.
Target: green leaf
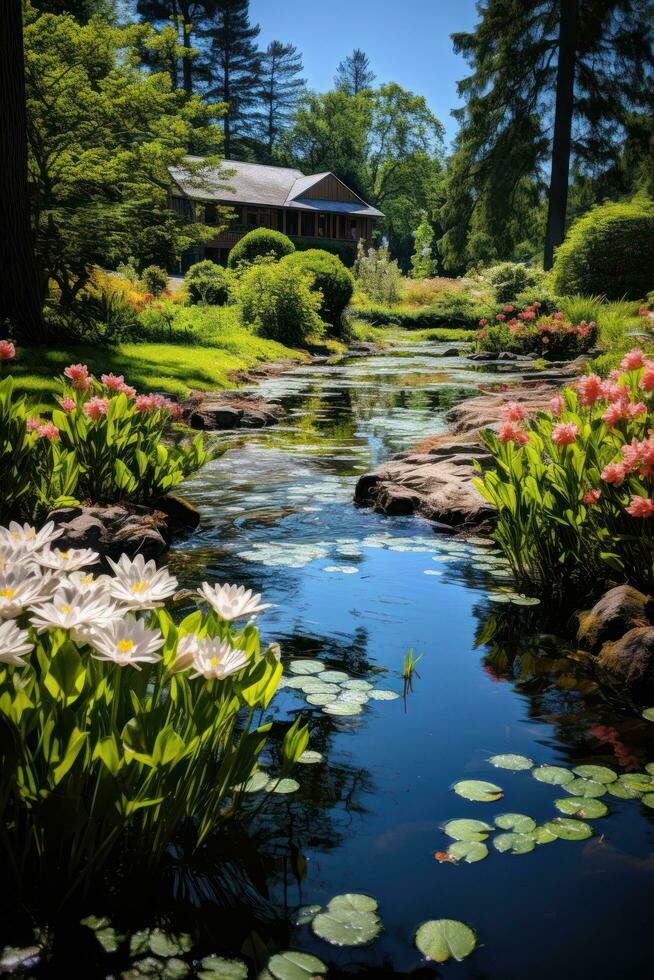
(310, 758)
(333, 676)
(218, 968)
(648, 714)
(514, 843)
(467, 830)
(640, 782)
(342, 708)
(169, 944)
(517, 822)
(379, 694)
(585, 787)
(578, 806)
(600, 774)
(515, 762)
(554, 775)
(282, 786)
(569, 829)
(291, 965)
(306, 667)
(348, 920)
(440, 939)
(469, 851)
(542, 836)
(65, 678)
(305, 914)
(478, 790)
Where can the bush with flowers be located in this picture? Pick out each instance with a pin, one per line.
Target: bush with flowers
(119, 727)
(574, 487)
(103, 442)
(528, 331)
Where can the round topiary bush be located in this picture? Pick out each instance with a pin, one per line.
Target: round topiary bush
(608, 251)
(208, 283)
(330, 276)
(155, 279)
(511, 278)
(280, 303)
(258, 243)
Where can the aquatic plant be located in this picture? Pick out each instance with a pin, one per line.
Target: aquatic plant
(118, 725)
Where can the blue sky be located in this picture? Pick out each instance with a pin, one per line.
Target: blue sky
(407, 41)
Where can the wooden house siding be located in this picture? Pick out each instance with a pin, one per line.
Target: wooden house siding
(332, 189)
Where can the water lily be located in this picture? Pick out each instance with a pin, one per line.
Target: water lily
(19, 588)
(139, 584)
(14, 644)
(216, 659)
(71, 609)
(67, 561)
(232, 601)
(187, 648)
(26, 539)
(127, 643)
(86, 582)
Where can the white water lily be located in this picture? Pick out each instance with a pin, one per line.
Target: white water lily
(139, 584)
(26, 540)
(187, 648)
(14, 644)
(127, 643)
(20, 587)
(70, 609)
(86, 582)
(216, 659)
(232, 601)
(67, 561)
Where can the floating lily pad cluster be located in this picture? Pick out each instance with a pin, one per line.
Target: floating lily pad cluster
(520, 834)
(335, 691)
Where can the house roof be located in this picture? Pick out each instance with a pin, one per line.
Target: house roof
(237, 182)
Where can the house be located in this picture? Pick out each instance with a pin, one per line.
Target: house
(314, 210)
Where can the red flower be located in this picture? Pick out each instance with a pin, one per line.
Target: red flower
(512, 432)
(591, 496)
(7, 350)
(500, 317)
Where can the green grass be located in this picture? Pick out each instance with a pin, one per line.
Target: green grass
(619, 327)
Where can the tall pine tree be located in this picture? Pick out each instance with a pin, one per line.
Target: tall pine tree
(186, 16)
(234, 64)
(281, 87)
(553, 81)
(354, 73)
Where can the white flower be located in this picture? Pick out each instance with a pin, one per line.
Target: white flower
(86, 582)
(27, 539)
(127, 643)
(217, 659)
(187, 648)
(14, 644)
(232, 601)
(71, 609)
(139, 584)
(67, 561)
(20, 588)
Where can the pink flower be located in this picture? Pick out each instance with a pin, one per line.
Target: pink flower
(557, 315)
(590, 389)
(500, 317)
(591, 496)
(33, 424)
(508, 308)
(634, 409)
(127, 390)
(614, 392)
(145, 403)
(641, 507)
(565, 433)
(632, 454)
(557, 404)
(483, 334)
(113, 382)
(512, 432)
(68, 404)
(643, 311)
(79, 375)
(614, 473)
(633, 361)
(647, 380)
(48, 431)
(514, 412)
(7, 350)
(96, 407)
(615, 413)
(482, 322)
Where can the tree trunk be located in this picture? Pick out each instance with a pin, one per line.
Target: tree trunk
(565, 84)
(20, 303)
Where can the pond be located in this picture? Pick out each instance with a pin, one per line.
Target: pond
(357, 591)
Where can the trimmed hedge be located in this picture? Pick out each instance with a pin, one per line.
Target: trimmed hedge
(609, 251)
(330, 276)
(207, 282)
(258, 243)
(345, 251)
(420, 319)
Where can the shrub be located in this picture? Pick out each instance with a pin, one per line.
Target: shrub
(208, 283)
(511, 278)
(378, 275)
(155, 279)
(280, 303)
(527, 332)
(330, 276)
(574, 487)
(345, 251)
(609, 251)
(129, 271)
(144, 725)
(258, 243)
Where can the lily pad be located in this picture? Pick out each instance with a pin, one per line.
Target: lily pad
(354, 902)
(568, 829)
(600, 774)
(310, 757)
(525, 600)
(640, 782)
(321, 699)
(257, 781)
(282, 786)
(578, 806)
(167, 944)
(554, 775)
(306, 666)
(517, 822)
(467, 830)
(648, 714)
(378, 694)
(342, 708)
(542, 836)
(305, 914)
(514, 843)
(354, 697)
(648, 800)
(291, 965)
(585, 787)
(515, 762)
(218, 968)
(333, 676)
(440, 939)
(348, 920)
(296, 683)
(499, 597)
(478, 790)
(649, 768)
(469, 851)
(357, 685)
(622, 792)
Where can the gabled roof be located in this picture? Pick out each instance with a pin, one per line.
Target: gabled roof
(237, 182)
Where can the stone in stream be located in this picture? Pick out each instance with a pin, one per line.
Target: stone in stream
(618, 611)
(631, 659)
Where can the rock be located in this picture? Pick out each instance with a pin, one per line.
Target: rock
(180, 513)
(235, 413)
(483, 355)
(507, 355)
(113, 530)
(631, 658)
(450, 352)
(618, 611)
(484, 411)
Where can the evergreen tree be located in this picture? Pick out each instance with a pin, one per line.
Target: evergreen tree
(281, 87)
(354, 73)
(234, 65)
(422, 260)
(186, 16)
(552, 81)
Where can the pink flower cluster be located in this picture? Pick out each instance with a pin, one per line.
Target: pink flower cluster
(96, 407)
(43, 430)
(78, 375)
(565, 433)
(117, 383)
(511, 430)
(152, 403)
(7, 350)
(591, 389)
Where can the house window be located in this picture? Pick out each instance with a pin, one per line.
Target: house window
(257, 218)
(291, 222)
(308, 224)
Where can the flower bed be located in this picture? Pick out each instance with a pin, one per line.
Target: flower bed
(119, 724)
(530, 331)
(574, 487)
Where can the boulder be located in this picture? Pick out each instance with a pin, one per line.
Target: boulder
(113, 530)
(618, 611)
(236, 413)
(631, 658)
(181, 514)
